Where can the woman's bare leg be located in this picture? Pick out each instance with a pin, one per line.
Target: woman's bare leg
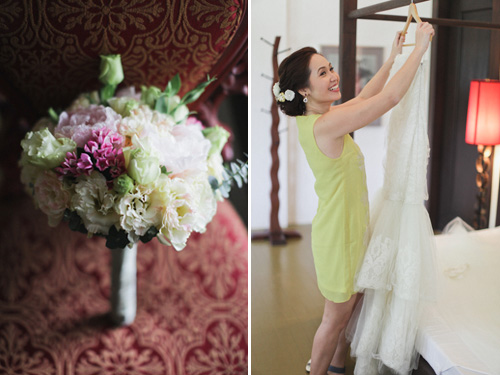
(343, 345)
(335, 318)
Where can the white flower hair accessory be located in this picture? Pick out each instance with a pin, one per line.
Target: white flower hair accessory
(288, 95)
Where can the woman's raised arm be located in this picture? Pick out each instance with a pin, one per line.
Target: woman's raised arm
(344, 119)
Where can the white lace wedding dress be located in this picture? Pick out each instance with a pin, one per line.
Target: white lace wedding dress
(397, 273)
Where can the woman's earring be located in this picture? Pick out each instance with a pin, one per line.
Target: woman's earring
(305, 99)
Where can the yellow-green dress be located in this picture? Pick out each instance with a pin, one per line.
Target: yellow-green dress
(340, 226)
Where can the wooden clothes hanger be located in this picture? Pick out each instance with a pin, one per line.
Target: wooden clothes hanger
(412, 13)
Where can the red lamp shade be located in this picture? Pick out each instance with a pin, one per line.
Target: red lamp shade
(483, 116)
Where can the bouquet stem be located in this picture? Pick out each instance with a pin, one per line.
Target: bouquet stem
(124, 284)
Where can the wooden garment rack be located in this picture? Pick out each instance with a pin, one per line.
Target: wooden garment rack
(349, 14)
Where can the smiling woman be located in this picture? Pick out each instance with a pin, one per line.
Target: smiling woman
(340, 228)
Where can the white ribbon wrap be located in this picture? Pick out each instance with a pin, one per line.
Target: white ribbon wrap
(124, 285)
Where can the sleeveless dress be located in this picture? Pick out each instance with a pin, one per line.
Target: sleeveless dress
(398, 273)
(340, 226)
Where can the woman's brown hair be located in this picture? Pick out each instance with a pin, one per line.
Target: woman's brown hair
(294, 75)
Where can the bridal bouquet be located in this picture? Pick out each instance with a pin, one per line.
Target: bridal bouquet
(127, 165)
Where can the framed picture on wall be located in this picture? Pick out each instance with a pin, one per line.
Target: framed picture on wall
(368, 62)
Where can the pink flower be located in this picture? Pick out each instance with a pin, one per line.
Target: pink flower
(80, 124)
(85, 164)
(91, 147)
(68, 166)
(191, 120)
(102, 152)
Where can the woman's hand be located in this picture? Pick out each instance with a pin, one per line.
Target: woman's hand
(397, 45)
(423, 36)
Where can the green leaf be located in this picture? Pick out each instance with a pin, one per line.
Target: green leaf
(116, 239)
(239, 180)
(195, 93)
(214, 184)
(149, 235)
(54, 116)
(225, 188)
(161, 105)
(75, 222)
(164, 170)
(173, 86)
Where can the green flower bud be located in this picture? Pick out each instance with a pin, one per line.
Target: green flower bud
(141, 166)
(123, 105)
(180, 114)
(123, 184)
(111, 70)
(149, 95)
(218, 136)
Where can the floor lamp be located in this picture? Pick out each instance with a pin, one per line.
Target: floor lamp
(483, 130)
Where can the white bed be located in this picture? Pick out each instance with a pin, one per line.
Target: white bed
(460, 333)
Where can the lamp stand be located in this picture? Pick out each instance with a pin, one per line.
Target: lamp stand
(482, 178)
(495, 182)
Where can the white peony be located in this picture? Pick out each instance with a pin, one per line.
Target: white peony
(183, 151)
(144, 122)
(204, 203)
(94, 203)
(138, 212)
(178, 221)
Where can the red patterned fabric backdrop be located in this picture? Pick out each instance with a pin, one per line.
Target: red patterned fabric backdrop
(49, 49)
(54, 283)
(54, 290)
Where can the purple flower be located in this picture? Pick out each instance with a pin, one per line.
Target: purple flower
(80, 125)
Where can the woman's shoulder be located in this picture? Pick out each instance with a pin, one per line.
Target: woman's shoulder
(307, 119)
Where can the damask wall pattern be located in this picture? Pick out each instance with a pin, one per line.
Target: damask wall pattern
(54, 289)
(49, 49)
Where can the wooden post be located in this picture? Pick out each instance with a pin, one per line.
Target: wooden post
(276, 235)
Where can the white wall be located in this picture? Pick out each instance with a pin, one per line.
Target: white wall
(304, 23)
(269, 19)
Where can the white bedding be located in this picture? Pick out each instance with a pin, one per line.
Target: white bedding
(460, 334)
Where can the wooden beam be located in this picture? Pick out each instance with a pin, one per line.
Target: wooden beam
(386, 5)
(438, 21)
(347, 49)
(494, 65)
